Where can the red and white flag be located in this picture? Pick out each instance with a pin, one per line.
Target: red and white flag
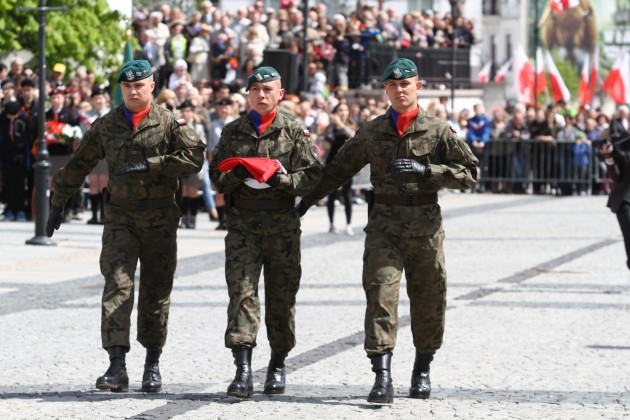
(594, 72)
(616, 85)
(559, 89)
(484, 73)
(523, 76)
(560, 6)
(500, 76)
(584, 91)
(541, 80)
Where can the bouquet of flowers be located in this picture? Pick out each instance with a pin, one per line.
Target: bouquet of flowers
(61, 138)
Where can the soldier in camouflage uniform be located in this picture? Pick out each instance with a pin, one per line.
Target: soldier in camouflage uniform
(263, 228)
(146, 149)
(412, 155)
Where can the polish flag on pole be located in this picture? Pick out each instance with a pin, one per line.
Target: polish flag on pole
(616, 85)
(560, 6)
(594, 72)
(558, 89)
(500, 76)
(484, 73)
(523, 76)
(541, 80)
(584, 91)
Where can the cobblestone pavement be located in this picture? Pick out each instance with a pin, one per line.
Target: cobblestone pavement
(537, 323)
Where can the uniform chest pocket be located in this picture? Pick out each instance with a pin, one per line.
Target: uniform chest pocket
(279, 147)
(422, 146)
(116, 140)
(242, 146)
(149, 145)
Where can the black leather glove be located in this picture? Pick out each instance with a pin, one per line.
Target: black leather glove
(410, 166)
(274, 180)
(55, 216)
(241, 172)
(302, 208)
(133, 168)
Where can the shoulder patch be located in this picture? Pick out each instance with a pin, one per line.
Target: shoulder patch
(307, 133)
(180, 121)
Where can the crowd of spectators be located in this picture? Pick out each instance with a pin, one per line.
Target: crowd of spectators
(224, 48)
(201, 61)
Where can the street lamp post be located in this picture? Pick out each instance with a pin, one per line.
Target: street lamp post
(305, 46)
(453, 53)
(42, 166)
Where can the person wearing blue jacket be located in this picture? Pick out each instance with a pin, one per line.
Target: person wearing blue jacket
(479, 130)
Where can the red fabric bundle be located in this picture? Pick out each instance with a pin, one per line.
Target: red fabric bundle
(261, 168)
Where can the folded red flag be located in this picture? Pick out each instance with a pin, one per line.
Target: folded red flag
(261, 168)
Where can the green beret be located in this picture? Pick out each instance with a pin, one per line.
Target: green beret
(135, 70)
(262, 74)
(401, 68)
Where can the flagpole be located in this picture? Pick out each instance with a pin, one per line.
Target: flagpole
(536, 36)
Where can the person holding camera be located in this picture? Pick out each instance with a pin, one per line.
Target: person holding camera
(615, 152)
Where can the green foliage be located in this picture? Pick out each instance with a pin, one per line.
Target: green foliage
(571, 76)
(86, 33)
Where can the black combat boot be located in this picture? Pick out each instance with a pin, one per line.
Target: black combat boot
(420, 380)
(383, 391)
(151, 379)
(276, 377)
(243, 385)
(115, 379)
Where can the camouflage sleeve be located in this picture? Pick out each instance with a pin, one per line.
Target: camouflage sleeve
(72, 176)
(458, 169)
(186, 151)
(225, 182)
(305, 170)
(349, 160)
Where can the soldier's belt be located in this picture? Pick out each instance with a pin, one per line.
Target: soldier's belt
(158, 203)
(406, 199)
(256, 205)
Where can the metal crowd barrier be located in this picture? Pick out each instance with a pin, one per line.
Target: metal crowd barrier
(436, 64)
(541, 167)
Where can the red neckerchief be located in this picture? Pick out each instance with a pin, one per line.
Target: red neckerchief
(261, 122)
(134, 118)
(403, 121)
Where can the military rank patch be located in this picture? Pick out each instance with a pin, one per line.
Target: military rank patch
(181, 121)
(307, 133)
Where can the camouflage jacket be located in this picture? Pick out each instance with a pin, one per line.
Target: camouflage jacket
(427, 140)
(286, 140)
(171, 148)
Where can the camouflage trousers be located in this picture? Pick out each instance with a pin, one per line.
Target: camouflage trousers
(156, 249)
(245, 256)
(422, 259)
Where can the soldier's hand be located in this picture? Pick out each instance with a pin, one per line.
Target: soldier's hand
(55, 216)
(133, 168)
(302, 208)
(274, 180)
(410, 166)
(241, 172)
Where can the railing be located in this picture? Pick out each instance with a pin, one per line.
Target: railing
(532, 167)
(541, 167)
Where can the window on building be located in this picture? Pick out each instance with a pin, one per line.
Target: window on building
(490, 7)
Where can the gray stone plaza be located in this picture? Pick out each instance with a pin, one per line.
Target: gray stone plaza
(537, 326)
